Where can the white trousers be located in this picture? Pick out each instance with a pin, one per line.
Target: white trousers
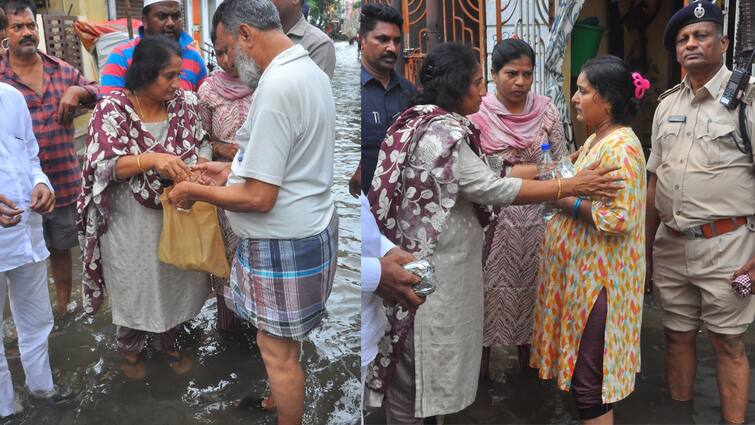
(26, 286)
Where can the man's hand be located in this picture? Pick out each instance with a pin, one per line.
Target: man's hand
(214, 173)
(10, 215)
(395, 282)
(69, 103)
(42, 199)
(225, 151)
(355, 183)
(748, 268)
(180, 195)
(402, 257)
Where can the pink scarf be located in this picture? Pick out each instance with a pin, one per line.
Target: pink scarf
(499, 127)
(229, 87)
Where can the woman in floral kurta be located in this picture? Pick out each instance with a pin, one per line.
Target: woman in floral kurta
(602, 249)
(427, 198)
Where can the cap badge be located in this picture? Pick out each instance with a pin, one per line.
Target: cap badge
(699, 11)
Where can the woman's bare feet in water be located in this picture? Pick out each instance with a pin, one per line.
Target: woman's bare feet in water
(179, 362)
(132, 367)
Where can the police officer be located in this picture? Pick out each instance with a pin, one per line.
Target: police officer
(700, 201)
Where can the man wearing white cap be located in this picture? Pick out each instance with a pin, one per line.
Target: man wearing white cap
(159, 17)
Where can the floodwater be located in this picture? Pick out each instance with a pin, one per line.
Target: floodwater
(226, 367)
(516, 397)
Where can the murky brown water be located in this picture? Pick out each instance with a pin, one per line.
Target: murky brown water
(515, 397)
(83, 354)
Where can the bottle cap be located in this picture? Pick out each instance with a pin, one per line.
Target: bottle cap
(545, 146)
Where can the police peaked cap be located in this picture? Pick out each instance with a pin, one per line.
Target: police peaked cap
(696, 11)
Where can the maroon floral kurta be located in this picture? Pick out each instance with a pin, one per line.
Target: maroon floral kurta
(116, 130)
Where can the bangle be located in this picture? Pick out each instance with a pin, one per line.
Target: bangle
(558, 181)
(575, 208)
(139, 162)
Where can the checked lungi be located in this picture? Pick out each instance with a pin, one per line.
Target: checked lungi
(281, 286)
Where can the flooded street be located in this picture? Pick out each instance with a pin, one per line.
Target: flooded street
(515, 397)
(83, 355)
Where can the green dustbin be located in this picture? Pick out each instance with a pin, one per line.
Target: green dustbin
(585, 40)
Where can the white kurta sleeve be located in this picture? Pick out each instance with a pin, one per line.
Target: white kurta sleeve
(480, 184)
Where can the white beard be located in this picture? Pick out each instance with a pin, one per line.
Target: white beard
(249, 72)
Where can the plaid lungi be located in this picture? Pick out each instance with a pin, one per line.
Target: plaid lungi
(281, 286)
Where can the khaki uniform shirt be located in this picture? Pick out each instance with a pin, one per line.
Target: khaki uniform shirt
(702, 176)
(320, 47)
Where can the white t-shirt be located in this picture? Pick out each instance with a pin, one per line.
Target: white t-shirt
(288, 140)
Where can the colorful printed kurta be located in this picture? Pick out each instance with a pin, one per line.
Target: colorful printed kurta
(579, 259)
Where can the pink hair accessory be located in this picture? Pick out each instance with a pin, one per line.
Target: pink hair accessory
(641, 84)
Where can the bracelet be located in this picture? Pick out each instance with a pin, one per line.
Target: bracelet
(139, 162)
(575, 208)
(558, 181)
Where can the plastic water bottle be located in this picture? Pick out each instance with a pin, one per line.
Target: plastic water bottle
(565, 168)
(546, 170)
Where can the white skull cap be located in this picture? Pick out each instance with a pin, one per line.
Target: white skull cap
(151, 2)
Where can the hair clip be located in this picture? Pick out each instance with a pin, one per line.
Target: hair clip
(641, 84)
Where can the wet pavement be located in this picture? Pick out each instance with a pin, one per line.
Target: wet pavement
(226, 367)
(516, 397)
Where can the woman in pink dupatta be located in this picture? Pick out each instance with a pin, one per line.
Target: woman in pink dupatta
(513, 123)
(224, 102)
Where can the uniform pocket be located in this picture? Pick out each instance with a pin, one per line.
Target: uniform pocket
(667, 135)
(720, 144)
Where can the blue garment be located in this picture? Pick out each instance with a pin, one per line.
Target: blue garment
(380, 107)
(113, 75)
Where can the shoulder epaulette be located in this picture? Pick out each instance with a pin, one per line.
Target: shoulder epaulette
(670, 91)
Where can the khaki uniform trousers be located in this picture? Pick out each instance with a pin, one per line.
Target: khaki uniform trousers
(693, 280)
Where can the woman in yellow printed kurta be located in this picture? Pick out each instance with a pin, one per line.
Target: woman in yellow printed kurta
(597, 244)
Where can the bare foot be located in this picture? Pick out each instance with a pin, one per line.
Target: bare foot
(179, 362)
(133, 368)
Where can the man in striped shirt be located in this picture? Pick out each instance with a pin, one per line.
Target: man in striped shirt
(54, 92)
(159, 17)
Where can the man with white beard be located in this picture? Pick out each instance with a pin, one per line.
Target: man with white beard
(277, 194)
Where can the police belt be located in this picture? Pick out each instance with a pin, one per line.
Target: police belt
(710, 230)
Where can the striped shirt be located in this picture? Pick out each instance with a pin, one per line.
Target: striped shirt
(56, 148)
(113, 74)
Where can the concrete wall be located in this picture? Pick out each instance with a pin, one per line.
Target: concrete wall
(92, 10)
(657, 59)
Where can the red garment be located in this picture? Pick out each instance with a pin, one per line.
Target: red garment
(56, 149)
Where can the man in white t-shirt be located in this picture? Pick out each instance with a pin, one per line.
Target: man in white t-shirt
(277, 195)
